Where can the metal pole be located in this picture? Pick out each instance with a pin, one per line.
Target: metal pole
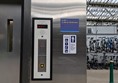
(111, 73)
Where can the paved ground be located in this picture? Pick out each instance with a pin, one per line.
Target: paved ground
(100, 76)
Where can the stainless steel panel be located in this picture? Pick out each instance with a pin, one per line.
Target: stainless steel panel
(66, 68)
(10, 61)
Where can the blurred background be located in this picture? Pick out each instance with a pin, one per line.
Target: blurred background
(101, 39)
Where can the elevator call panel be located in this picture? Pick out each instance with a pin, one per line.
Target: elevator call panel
(42, 48)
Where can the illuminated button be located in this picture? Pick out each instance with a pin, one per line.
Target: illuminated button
(42, 65)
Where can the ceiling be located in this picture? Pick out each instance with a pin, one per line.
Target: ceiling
(102, 12)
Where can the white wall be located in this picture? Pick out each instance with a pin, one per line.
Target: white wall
(103, 29)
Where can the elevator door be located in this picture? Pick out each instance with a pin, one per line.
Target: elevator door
(10, 31)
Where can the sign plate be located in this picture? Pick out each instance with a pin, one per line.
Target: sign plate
(69, 44)
(69, 25)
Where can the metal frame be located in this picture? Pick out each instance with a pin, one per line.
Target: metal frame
(33, 19)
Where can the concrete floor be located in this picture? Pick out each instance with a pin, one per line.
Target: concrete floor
(100, 76)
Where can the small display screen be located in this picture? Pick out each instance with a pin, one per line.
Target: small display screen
(42, 26)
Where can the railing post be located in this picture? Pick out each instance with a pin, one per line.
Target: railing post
(111, 72)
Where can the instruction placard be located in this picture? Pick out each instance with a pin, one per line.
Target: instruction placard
(69, 44)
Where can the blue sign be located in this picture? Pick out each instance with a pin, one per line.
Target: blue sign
(69, 25)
